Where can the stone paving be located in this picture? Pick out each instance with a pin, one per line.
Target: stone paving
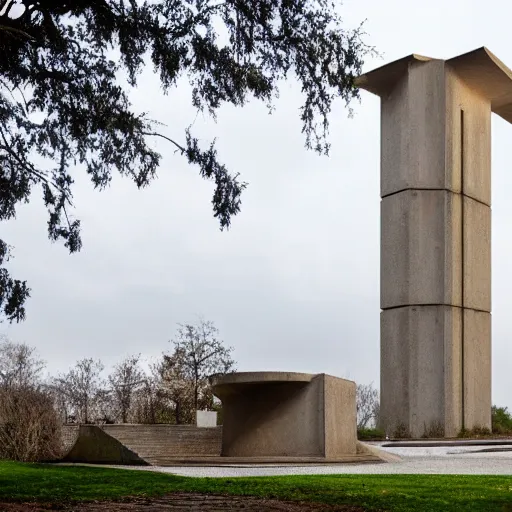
(463, 460)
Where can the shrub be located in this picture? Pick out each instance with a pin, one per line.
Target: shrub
(464, 433)
(29, 425)
(368, 406)
(474, 432)
(371, 434)
(481, 432)
(501, 421)
(401, 432)
(434, 431)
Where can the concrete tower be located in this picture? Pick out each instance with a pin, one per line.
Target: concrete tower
(436, 238)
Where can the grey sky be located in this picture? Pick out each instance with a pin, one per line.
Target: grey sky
(294, 285)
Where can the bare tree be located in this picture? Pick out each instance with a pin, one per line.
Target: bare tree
(103, 407)
(151, 404)
(81, 386)
(125, 379)
(198, 354)
(144, 409)
(20, 366)
(30, 429)
(367, 401)
(176, 387)
(29, 424)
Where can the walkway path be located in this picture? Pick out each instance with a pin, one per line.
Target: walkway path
(429, 460)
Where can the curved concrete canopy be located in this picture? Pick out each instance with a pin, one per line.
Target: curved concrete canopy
(260, 377)
(287, 414)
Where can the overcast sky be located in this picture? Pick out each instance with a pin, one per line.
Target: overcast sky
(294, 285)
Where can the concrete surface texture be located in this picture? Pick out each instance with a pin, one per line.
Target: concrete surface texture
(69, 435)
(176, 445)
(94, 445)
(436, 239)
(152, 444)
(282, 414)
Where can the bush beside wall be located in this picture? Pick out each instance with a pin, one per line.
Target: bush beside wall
(30, 429)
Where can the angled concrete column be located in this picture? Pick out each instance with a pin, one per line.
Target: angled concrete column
(436, 239)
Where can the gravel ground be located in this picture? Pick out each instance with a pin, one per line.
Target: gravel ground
(431, 460)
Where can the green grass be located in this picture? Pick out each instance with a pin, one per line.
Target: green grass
(418, 493)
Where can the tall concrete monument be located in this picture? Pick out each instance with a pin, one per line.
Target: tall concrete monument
(436, 238)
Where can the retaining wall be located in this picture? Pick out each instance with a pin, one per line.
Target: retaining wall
(136, 443)
(69, 435)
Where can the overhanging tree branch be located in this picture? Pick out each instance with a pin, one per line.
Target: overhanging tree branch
(59, 51)
(155, 134)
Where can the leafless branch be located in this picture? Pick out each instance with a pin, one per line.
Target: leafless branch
(154, 134)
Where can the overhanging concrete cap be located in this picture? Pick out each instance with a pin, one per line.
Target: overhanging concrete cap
(485, 73)
(480, 69)
(379, 81)
(259, 377)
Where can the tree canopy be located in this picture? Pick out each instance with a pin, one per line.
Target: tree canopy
(20, 365)
(198, 354)
(62, 104)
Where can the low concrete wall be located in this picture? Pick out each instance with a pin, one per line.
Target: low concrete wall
(69, 435)
(153, 444)
(95, 446)
(168, 440)
(167, 445)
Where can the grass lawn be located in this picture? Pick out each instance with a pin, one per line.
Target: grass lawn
(419, 493)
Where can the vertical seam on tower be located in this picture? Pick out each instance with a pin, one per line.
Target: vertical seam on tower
(462, 266)
(324, 429)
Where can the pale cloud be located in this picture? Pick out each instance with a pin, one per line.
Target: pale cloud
(294, 285)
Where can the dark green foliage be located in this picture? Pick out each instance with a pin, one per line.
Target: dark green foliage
(399, 493)
(13, 292)
(501, 421)
(217, 407)
(370, 434)
(61, 105)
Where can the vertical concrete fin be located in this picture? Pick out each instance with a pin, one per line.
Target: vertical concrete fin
(339, 403)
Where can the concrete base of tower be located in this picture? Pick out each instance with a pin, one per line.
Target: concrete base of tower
(435, 371)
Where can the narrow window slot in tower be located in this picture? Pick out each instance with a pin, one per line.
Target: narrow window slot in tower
(462, 363)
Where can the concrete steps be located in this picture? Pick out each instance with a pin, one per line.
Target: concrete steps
(176, 445)
(265, 461)
(161, 445)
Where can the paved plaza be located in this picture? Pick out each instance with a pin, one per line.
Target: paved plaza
(429, 459)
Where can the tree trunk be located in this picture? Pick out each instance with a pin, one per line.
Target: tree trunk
(152, 410)
(196, 379)
(177, 412)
